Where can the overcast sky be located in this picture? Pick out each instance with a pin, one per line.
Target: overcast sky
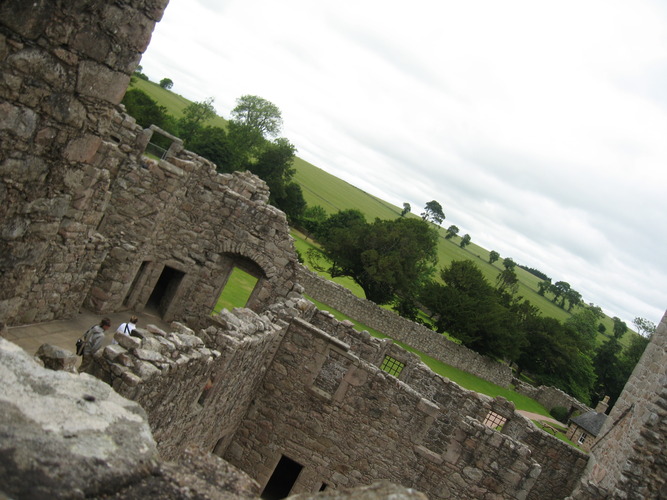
(541, 127)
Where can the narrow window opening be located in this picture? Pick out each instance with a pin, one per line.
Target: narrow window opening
(392, 366)
(582, 438)
(495, 421)
(282, 480)
(324, 486)
(158, 147)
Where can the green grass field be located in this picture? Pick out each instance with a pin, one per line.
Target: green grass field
(174, 103)
(334, 194)
(236, 292)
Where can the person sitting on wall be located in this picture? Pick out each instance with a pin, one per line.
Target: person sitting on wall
(92, 342)
(126, 328)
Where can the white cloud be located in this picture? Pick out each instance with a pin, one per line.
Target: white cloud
(539, 127)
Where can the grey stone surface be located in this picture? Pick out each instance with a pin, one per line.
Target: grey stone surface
(65, 435)
(55, 358)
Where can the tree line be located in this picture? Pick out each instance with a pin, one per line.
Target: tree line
(250, 142)
(395, 261)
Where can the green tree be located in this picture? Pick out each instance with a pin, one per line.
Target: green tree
(465, 241)
(619, 327)
(562, 289)
(388, 258)
(258, 114)
(573, 298)
(609, 370)
(406, 209)
(468, 307)
(508, 263)
(433, 212)
(554, 356)
(292, 202)
(146, 111)
(451, 232)
(213, 144)
(644, 327)
(507, 281)
(194, 116)
(166, 83)
(493, 256)
(274, 165)
(312, 218)
(543, 287)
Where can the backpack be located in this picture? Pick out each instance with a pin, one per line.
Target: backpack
(81, 342)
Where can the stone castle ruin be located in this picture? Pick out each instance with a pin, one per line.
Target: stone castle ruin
(280, 390)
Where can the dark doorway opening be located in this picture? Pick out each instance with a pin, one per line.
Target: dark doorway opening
(283, 478)
(164, 290)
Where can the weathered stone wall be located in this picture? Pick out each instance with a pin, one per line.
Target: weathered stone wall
(195, 394)
(178, 212)
(549, 397)
(561, 464)
(64, 67)
(398, 328)
(86, 216)
(628, 460)
(349, 423)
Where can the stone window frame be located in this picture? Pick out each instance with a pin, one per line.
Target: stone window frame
(494, 420)
(392, 366)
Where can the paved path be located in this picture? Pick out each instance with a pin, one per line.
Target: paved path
(63, 333)
(542, 418)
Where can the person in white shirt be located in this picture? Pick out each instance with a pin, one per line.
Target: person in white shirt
(126, 328)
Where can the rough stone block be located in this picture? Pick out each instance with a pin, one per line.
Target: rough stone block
(55, 358)
(98, 81)
(82, 149)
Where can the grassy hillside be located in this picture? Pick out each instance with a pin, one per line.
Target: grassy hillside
(334, 194)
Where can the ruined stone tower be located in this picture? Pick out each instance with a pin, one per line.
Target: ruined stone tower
(86, 217)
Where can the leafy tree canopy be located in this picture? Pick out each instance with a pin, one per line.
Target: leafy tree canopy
(644, 327)
(493, 256)
(166, 83)
(258, 114)
(451, 232)
(508, 263)
(387, 258)
(433, 212)
(146, 111)
(194, 116)
(406, 209)
(468, 307)
(465, 241)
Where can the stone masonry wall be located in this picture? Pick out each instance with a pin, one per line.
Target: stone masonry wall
(349, 423)
(549, 397)
(628, 460)
(403, 330)
(179, 212)
(561, 464)
(195, 390)
(64, 66)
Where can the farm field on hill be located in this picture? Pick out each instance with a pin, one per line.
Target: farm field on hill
(334, 194)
